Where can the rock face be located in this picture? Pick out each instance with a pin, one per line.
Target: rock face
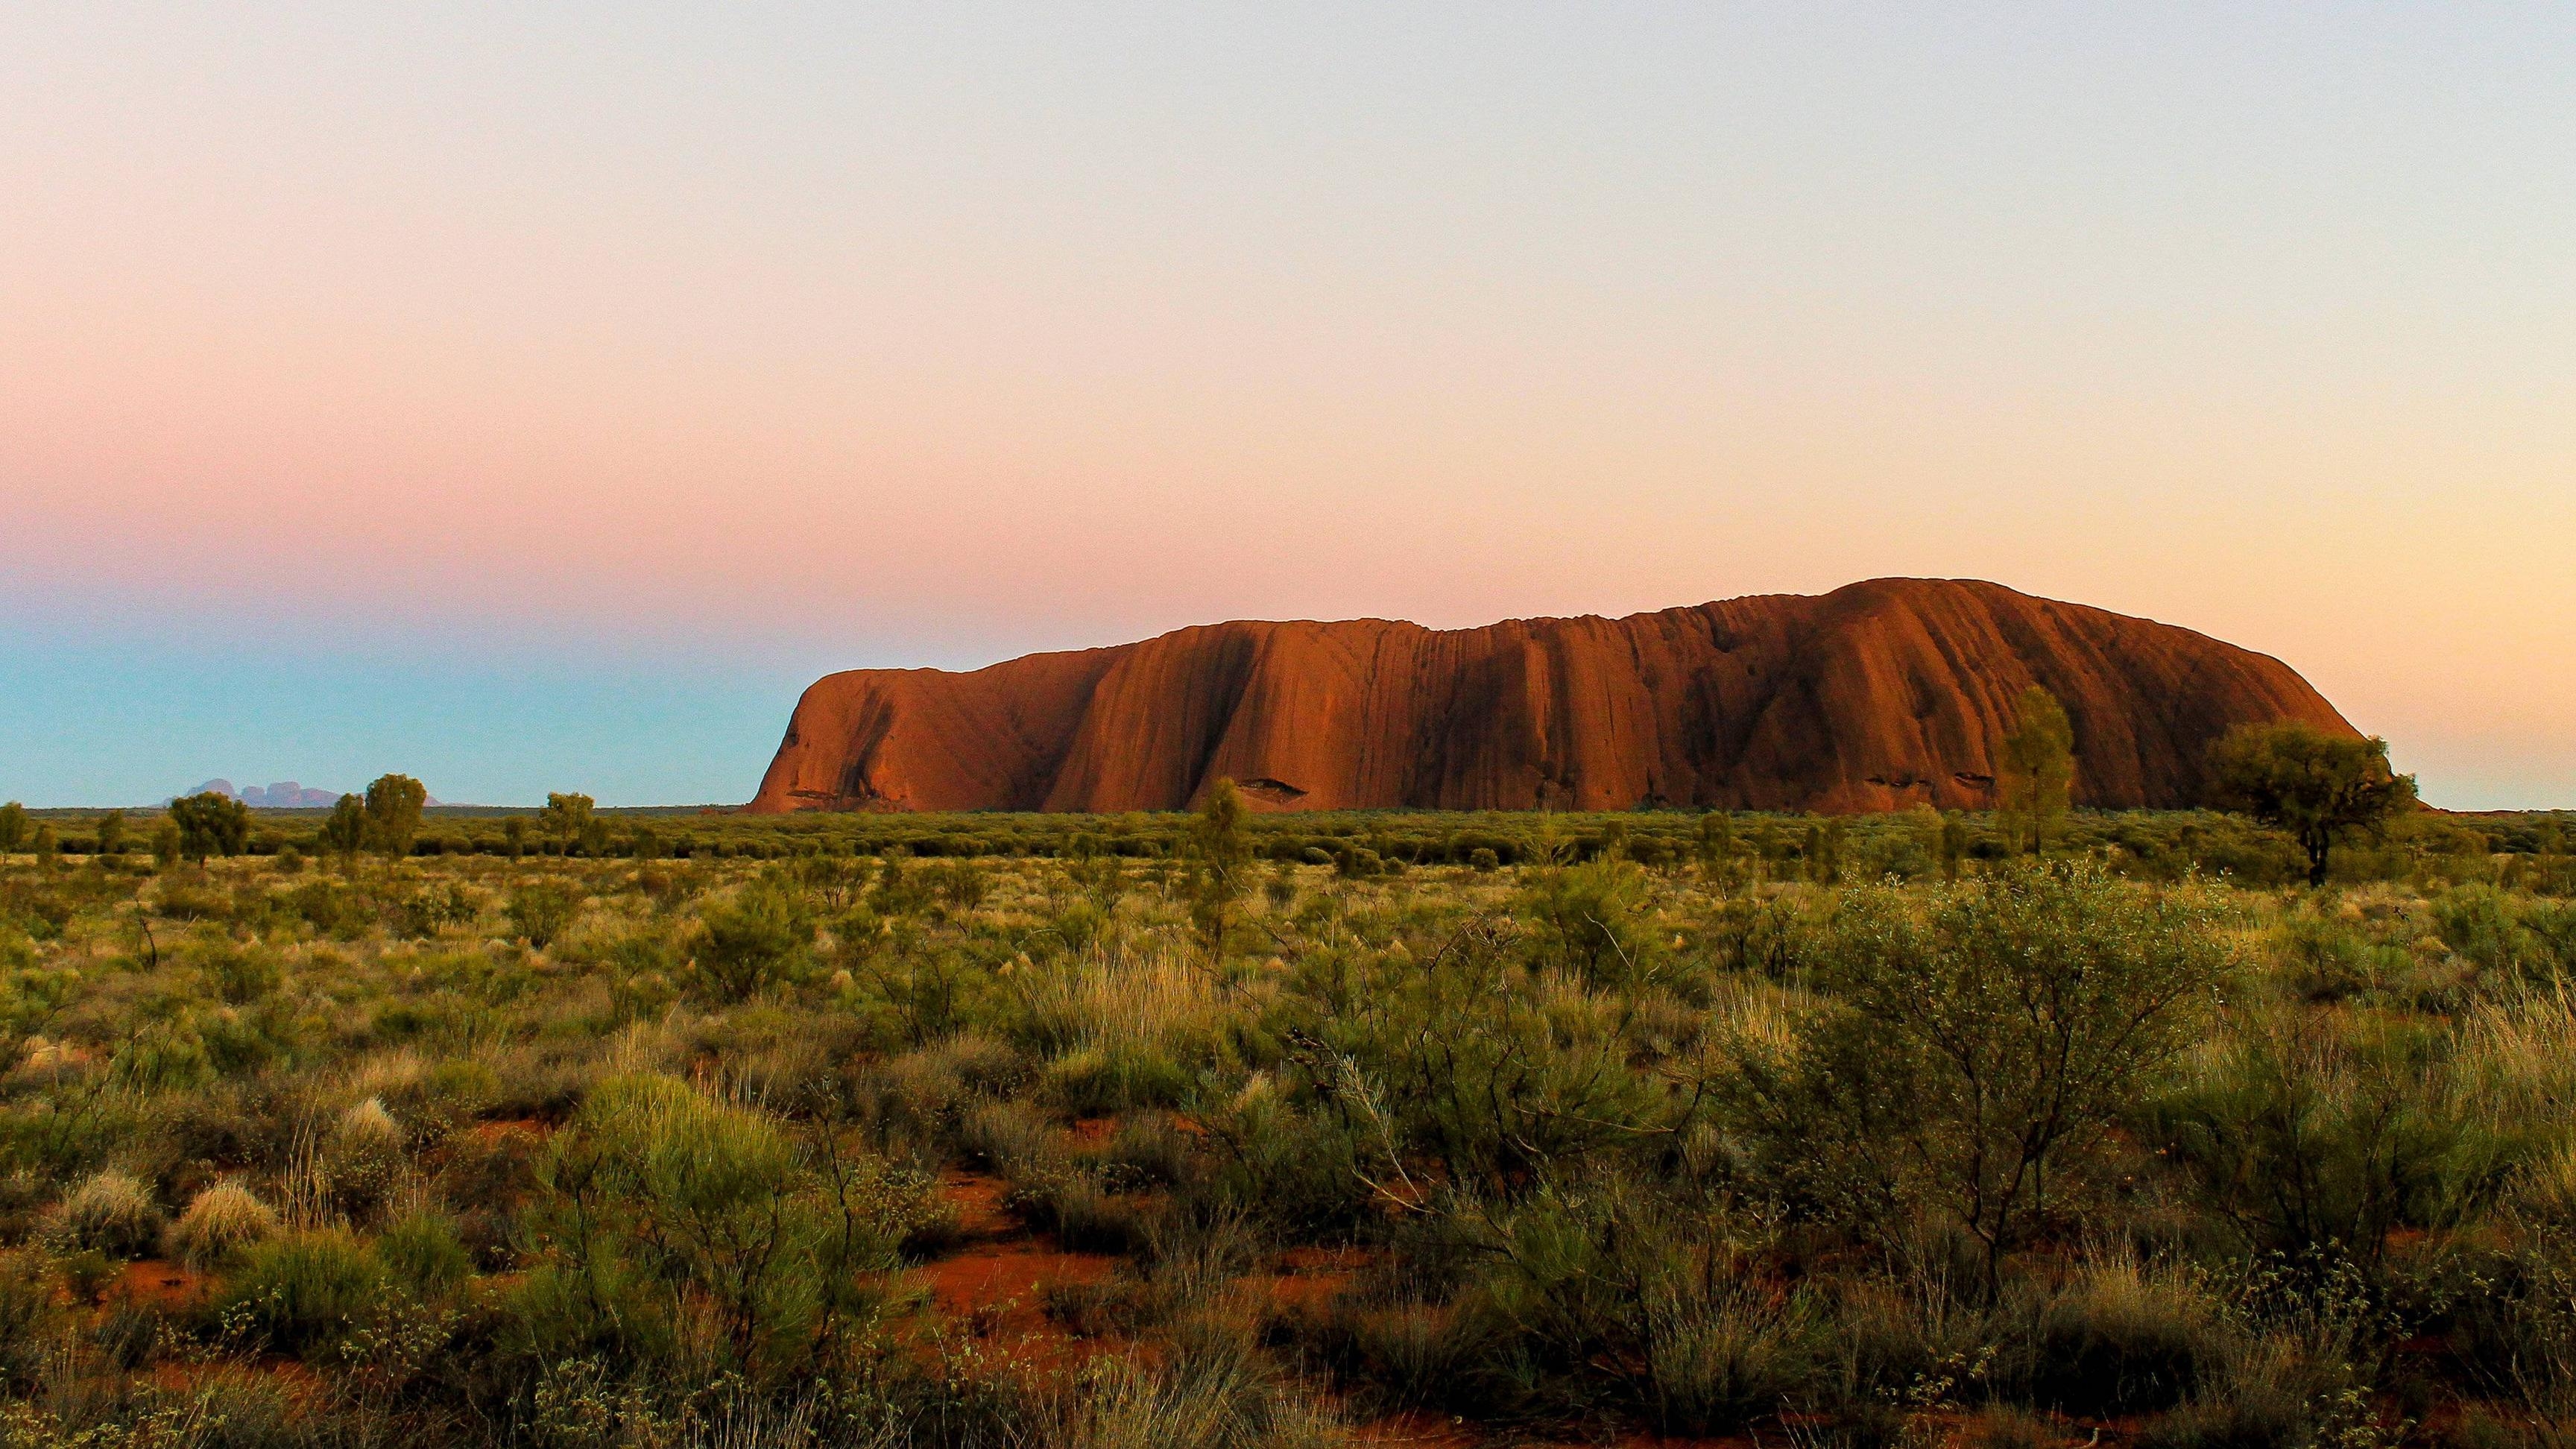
(1877, 696)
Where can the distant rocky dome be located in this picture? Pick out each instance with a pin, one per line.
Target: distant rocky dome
(1878, 696)
(284, 795)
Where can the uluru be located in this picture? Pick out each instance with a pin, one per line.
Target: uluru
(1877, 696)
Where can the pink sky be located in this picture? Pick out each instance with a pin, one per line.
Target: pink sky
(936, 341)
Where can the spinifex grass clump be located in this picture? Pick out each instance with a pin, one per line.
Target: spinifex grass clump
(220, 1223)
(111, 1213)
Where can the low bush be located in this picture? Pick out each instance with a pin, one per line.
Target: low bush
(744, 943)
(1664, 1318)
(240, 974)
(539, 911)
(304, 1292)
(665, 1203)
(424, 1252)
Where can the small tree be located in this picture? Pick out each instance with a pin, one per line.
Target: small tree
(567, 818)
(13, 828)
(111, 832)
(344, 833)
(1221, 849)
(49, 850)
(1717, 847)
(165, 844)
(1954, 845)
(2035, 769)
(1592, 920)
(2322, 789)
(1824, 851)
(210, 824)
(393, 813)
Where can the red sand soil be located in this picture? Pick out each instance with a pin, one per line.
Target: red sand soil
(1308, 1279)
(301, 1384)
(994, 1285)
(158, 1284)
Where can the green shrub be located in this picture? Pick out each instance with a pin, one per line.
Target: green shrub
(1147, 1148)
(306, 1291)
(87, 1274)
(1420, 1353)
(2305, 1137)
(960, 885)
(1304, 1177)
(2513, 941)
(1114, 1077)
(1070, 1203)
(1589, 919)
(334, 909)
(1596, 1150)
(1466, 1060)
(240, 974)
(718, 1211)
(1004, 1135)
(2323, 959)
(2264, 1401)
(923, 1095)
(1607, 1291)
(540, 910)
(418, 915)
(2002, 1427)
(425, 1253)
(165, 1056)
(1979, 1043)
(1079, 924)
(186, 901)
(745, 943)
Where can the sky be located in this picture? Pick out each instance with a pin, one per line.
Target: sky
(536, 397)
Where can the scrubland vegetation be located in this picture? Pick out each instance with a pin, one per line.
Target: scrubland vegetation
(619, 1129)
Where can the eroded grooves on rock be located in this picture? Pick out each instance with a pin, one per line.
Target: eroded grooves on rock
(1877, 696)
